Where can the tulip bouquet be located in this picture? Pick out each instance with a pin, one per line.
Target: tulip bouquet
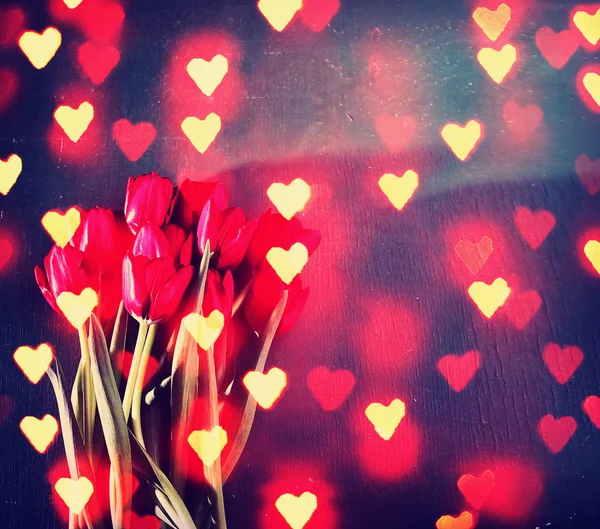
(200, 292)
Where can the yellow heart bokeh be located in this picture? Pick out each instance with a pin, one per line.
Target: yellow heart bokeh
(463, 521)
(74, 121)
(39, 48)
(462, 140)
(589, 25)
(75, 494)
(208, 444)
(205, 330)
(289, 199)
(34, 362)
(591, 81)
(288, 264)
(386, 419)
(201, 132)
(489, 298)
(72, 4)
(266, 388)
(208, 74)
(493, 23)
(399, 189)
(279, 13)
(77, 307)
(497, 63)
(9, 172)
(297, 510)
(592, 252)
(39, 432)
(62, 227)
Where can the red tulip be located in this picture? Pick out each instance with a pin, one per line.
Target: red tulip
(155, 276)
(63, 272)
(149, 199)
(274, 231)
(264, 295)
(104, 241)
(227, 232)
(218, 293)
(192, 198)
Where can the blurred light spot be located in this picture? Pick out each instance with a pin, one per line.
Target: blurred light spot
(279, 13)
(399, 189)
(10, 169)
(462, 139)
(459, 370)
(592, 252)
(201, 132)
(97, 61)
(77, 308)
(497, 63)
(132, 139)
(34, 362)
(208, 74)
(474, 255)
(297, 510)
(522, 121)
(589, 173)
(556, 48)
(75, 493)
(39, 48)
(386, 419)
(556, 432)
(62, 226)
(39, 432)
(74, 121)
(588, 23)
(476, 489)
(492, 22)
(208, 444)
(330, 388)
(289, 199)
(489, 298)
(463, 521)
(288, 263)
(266, 388)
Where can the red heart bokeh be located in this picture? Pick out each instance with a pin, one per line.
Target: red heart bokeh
(534, 226)
(459, 370)
(476, 489)
(556, 48)
(562, 362)
(97, 61)
(330, 388)
(132, 139)
(556, 432)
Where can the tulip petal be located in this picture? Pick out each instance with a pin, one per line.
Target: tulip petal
(42, 281)
(151, 242)
(207, 227)
(135, 291)
(149, 198)
(169, 296)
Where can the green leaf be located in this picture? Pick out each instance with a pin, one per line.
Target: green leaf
(166, 496)
(113, 424)
(184, 383)
(77, 459)
(119, 335)
(241, 437)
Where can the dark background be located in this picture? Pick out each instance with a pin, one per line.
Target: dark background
(308, 111)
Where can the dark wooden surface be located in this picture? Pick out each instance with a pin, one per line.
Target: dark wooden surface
(385, 302)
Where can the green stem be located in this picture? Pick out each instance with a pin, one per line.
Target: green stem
(89, 397)
(215, 469)
(135, 364)
(136, 407)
